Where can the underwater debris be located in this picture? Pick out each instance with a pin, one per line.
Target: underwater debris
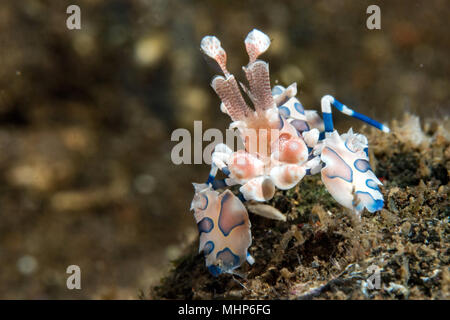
(410, 131)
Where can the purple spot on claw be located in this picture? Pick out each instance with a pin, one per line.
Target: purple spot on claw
(284, 111)
(300, 125)
(228, 258)
(205, 225)
(362, 165)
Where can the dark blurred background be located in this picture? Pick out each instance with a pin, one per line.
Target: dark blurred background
(86, 117)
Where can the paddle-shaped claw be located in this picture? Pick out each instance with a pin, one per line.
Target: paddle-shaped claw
(347, 174)
(224, 228)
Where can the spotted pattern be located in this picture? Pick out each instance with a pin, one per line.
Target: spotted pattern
(231, 214)
(205, 225)
(224, 230)
(298, 106)
(208, 247)
(336, 167)
(300, 125)
(228, 258)
(284, 111)
(277, 90)
(372, 184)
(362, 165)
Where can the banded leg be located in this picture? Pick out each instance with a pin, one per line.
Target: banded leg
(220, 158)
(328, 101)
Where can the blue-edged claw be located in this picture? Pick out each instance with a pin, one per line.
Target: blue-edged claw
(347, 174)
(224, 229)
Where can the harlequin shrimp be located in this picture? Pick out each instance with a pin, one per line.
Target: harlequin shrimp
(283, 143)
